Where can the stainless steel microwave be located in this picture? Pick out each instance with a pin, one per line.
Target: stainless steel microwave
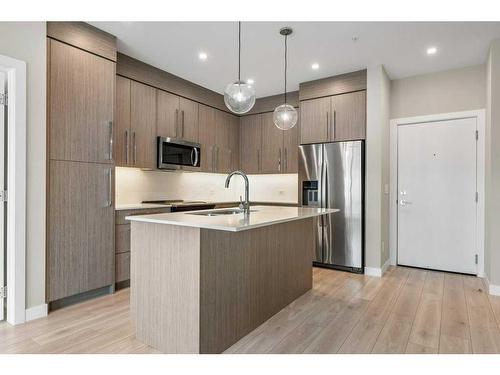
(176, 153)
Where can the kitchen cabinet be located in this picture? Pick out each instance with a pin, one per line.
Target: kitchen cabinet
(336, 118)
(143, 125)
(250, 143)
(291, 149)
(122, 122)
(226, 142)
(80, 251)
(206, 117)
(80, 104)
(177, 117)
(271, 145)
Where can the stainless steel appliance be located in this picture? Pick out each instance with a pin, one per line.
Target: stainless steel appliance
(176, 153)
(331, 175)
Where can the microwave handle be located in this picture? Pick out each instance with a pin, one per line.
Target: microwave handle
(195, 162)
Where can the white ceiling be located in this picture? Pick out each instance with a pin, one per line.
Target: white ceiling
(399, 46)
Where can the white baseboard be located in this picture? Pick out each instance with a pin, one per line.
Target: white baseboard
(36, 312)
(493, 289)
(378, 272)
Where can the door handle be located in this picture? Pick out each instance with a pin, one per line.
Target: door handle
(213, 158)
(258, 160)
(109, 203)
(176, 123)
(195, 151)
(334, 124)
(135, 148)
(286, 160)
(217, 159)
(182, 124)
(110, 144)
(327, 126)
(279, 160)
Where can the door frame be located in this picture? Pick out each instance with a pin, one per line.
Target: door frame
(479, 115)
(16, 188)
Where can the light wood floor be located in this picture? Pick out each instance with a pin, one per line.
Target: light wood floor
(406, 311)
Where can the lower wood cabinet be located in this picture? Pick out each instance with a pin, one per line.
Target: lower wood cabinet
(80, 251)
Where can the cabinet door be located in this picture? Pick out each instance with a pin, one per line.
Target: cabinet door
(250, 143)
(81, 102)
(314, 119)
(143, 125)
(291, 149)
(188, 120)
(272, 146)
(81, 228)
(222, 142)
(234, 142)
(122, 122)
(207, 138)
(349, 116)
(168, 115)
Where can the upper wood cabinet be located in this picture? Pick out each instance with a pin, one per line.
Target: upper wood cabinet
(143, 125)
(337, 118)
(291, 149)
(206, 117)
(177, 117)
(273, 152)
(135, 130)
(251, 143)
(80, 105)
(226, 153)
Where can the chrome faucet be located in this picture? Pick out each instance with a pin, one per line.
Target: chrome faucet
(245, 206)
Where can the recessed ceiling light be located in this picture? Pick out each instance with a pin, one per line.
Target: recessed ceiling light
(202, 56)
(315, 66)
(250, 81)
(431, 50)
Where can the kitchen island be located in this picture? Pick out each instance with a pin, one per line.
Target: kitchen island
(202, 280)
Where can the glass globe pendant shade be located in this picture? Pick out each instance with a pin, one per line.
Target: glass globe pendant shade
(239, 97)
(285, 117)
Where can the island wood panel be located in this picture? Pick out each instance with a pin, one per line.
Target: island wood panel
(122, 122)
(143, 125)
(207, 137)
(84, 36)
(81, 103)
(165, 286)
(339, 84)
(247, 277)
(142, 72)
(80, 228)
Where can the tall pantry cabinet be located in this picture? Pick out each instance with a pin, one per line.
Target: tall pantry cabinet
(81, 65)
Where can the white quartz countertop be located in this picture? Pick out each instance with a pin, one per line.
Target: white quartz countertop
(260, 216)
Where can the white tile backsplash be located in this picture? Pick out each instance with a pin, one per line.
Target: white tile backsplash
(135, 185)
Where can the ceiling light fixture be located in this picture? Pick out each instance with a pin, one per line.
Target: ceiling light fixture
(315, 66)
(431, 50)
(285, 116)
(202, 56)
(239, 96)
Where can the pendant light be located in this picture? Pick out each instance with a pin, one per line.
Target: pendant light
(285, 116)
(239, 96)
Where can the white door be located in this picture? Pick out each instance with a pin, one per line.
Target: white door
(437, 195)
(3, 125)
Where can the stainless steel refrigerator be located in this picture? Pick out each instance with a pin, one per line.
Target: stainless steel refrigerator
(331, 175)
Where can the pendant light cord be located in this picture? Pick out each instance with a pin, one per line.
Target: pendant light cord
(286, 38)
(239, 50)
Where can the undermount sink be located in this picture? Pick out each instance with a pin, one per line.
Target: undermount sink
(229, 211)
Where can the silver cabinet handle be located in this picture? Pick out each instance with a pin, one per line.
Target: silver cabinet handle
(327, 126)
(182, 124)
(334, 121)
(111, 140)
(135, 148)
(286, 160)
(176, 122)
(279, 160)
(110, 187)
(126, 146)
(258, 160)
(213, 158)
(217, 159)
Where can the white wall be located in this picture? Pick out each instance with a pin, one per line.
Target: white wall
(26, 41)
(377, 168)
(135, 185)
(492, 185)
(449, 91)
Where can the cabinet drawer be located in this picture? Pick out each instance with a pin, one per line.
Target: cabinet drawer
(122, 238)
(122, 267)
(122, 214)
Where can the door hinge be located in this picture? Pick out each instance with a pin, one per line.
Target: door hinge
(476, 258)
(3, 195)
(477, 135)
(3, 291)
(4, 99)
(477, 197)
